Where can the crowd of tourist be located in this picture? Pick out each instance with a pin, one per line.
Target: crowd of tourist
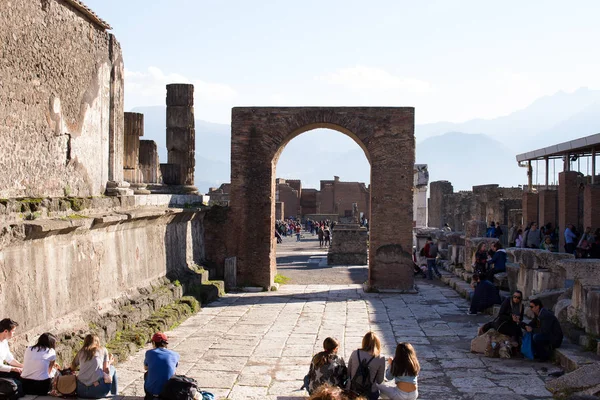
(582, 245)
(91, 372)
(321, 229)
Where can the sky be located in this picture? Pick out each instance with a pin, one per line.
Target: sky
(451, 60)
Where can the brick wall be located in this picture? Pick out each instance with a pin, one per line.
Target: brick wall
(568, 203)
(530, 208)
(258, 134)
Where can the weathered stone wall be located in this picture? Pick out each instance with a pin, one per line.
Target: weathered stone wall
(259, 134)
(348, 246)
(484, 203)
(61, 102)
(58, 268)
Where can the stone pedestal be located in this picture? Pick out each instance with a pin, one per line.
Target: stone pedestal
(348, 245)
(148, 162)
(122, 188)
(181, 136)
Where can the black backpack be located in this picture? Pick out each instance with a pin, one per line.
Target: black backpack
(361, 381)
(9, 389)
(179, 387)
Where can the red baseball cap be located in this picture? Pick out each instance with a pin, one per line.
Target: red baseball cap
(159, 337)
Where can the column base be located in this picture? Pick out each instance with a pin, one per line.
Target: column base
(115, 188)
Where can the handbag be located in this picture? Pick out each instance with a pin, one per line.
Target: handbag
(64, 384)
(527, 346)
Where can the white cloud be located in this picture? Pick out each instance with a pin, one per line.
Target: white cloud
(373, 78)
(213, 101)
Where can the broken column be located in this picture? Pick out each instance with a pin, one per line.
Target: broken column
(179, 170)
(134, 129)
(148, 162)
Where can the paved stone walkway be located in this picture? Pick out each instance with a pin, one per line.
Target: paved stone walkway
(259, 345)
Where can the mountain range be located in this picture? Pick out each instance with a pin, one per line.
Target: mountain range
(475, 152)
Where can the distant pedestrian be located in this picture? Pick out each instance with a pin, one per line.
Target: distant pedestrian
(570, 239)
(327, 237)
(431, 252)
(533, 237)
(320, 235)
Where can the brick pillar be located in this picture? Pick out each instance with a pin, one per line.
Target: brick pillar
(548, 207)
(530, 208)
(437, 209)
(181, 136)
(568, 203)
(149, 162)
(591, 206)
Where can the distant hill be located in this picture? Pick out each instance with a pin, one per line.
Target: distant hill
(470, 153)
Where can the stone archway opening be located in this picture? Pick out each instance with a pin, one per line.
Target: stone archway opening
(386, 135)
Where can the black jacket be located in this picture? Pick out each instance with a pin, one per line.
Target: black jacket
(547, 324)
(505, 313)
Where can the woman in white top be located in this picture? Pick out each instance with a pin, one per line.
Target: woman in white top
(39, 365)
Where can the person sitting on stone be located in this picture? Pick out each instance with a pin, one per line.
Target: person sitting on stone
(39, 366)
(9, 367)
(97, 377)
(160, 365)
(547, 333)
(509, 317)
(547, 244)
(481, 256)
(485, 295)
(327, 367)
(497, 263)
(328, 392)
(491, 230)
(404, 369)
(366, 358)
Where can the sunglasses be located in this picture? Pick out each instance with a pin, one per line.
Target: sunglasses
(531, 307)
(517, 297)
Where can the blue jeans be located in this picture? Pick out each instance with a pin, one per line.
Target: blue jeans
(99, 391)
(431, 266)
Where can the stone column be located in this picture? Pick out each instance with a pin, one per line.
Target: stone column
(591, 206)
(530, 208)
(181, 137)
(548, 207)
(149, 162)
(134, 129)
(568, 203)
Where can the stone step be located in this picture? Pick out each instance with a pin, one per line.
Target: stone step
(571, 357)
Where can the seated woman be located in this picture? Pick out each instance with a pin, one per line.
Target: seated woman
(366, 367)
(39, 366)
(97, 377)
(484, 296)
(547, 244)
(481, 256)
(404, 369)
(510, 316)
(497, 263)
(327, 367)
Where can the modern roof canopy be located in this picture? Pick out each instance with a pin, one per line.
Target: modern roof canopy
(581, 147)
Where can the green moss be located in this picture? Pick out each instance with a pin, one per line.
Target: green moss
(177, 283)
(281, 279)
(77, 204)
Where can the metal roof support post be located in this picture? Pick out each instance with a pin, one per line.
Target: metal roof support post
(529, 176)
(593, 165)
(547, 171)
(567, 162)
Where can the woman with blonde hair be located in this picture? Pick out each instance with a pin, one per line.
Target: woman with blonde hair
(404, 369)
(366, 367)
(97, 377)
(327, 367)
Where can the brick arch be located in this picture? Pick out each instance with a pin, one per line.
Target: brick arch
(386, 134)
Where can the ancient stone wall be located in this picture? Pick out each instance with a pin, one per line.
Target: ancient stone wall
(59, 268)
(61, 102)
(484, 203)
(310, 200)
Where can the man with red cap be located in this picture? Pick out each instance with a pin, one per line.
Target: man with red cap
(160, 364)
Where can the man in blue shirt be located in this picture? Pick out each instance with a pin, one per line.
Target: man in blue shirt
(160, 364)
(570, 238)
